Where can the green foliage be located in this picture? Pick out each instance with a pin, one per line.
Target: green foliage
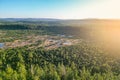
(84, 61)
(79, 62)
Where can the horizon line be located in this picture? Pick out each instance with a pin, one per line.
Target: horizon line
(60, 18)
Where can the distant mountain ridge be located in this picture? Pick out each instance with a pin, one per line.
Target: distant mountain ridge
(60, 22)
(54, 19)
(29, 19)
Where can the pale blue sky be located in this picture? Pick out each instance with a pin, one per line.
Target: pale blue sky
(66, 9)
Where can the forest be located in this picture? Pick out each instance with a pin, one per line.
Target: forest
(92, 58)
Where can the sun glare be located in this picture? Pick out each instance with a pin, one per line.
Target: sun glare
(109, 35)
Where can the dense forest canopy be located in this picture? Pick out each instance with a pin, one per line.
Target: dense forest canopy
(94, 57)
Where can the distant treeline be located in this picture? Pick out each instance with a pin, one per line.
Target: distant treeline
(13, 27)
(65, 30)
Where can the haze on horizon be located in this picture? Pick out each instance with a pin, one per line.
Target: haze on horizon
(62, 9)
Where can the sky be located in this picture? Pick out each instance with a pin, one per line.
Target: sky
(61, 9)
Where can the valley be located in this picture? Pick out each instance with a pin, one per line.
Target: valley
(36, 49)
